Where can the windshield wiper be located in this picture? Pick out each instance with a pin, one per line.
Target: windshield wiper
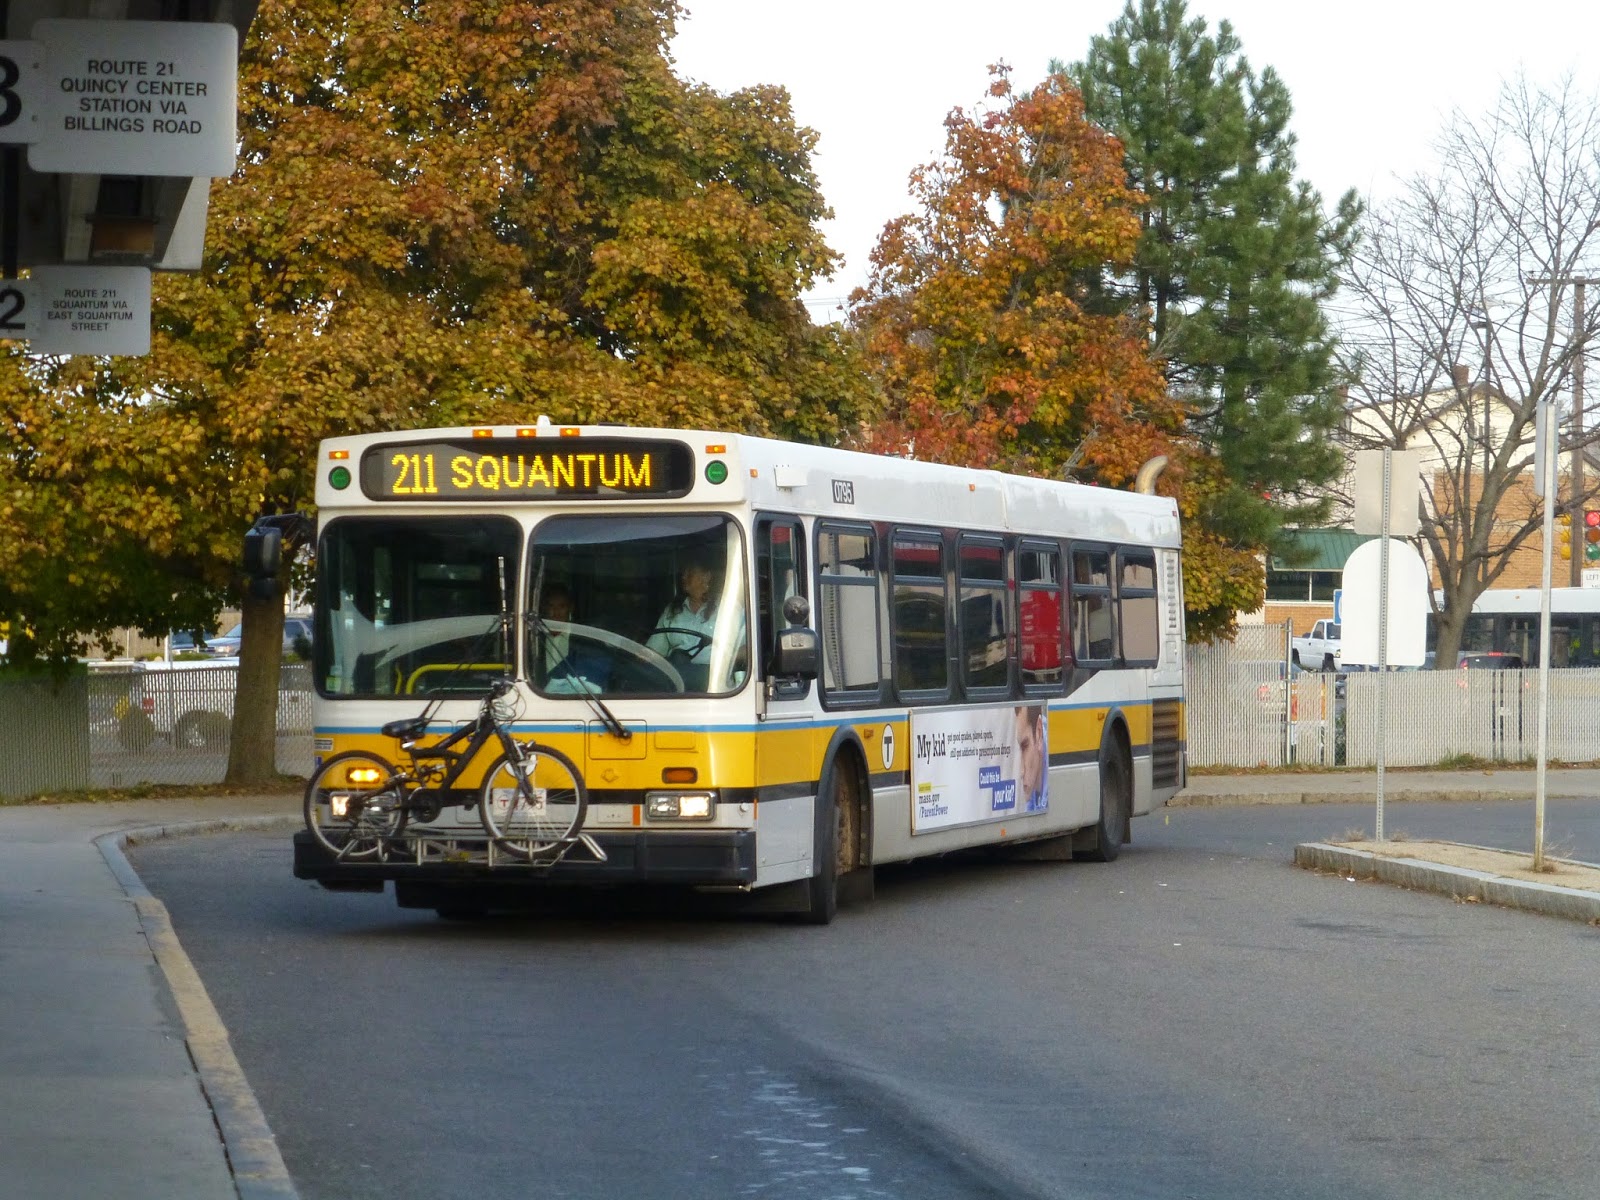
(590, 697)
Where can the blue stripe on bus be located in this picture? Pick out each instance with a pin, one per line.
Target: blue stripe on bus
(844, 719)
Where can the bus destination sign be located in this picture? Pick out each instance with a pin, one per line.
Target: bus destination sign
(527, 469)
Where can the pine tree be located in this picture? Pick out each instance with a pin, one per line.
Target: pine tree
(1234, 261)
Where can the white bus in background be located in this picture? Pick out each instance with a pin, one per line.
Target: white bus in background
(1505, 621)
(1000, 659)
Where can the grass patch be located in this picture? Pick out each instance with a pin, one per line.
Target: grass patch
(1468, 762)
(287, 785)
(1555, 849)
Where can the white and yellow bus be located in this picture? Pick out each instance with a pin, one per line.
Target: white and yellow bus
(999, 660)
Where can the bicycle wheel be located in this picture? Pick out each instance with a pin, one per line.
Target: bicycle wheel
(353, 802)
(534, 804)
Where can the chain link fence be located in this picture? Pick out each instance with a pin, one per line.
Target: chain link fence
(1248, 706)
(122, 724)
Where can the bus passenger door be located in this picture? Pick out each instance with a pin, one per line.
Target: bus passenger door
(780, 573)
(785, 751)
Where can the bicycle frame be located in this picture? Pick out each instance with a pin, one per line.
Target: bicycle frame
(438, 781)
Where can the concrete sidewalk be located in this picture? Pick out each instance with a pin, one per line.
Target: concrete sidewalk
(1346, 787)
(116, 1077)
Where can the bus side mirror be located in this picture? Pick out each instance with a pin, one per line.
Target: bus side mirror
(797, 645)
(263, 552)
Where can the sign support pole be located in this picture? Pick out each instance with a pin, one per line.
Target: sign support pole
(1383, 635)
(1549, 444)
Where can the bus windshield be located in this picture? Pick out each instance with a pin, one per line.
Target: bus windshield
(637, 606)
(407, 607)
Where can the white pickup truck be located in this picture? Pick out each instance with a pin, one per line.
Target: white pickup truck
(1318, 650)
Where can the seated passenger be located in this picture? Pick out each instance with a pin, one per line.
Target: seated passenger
(565, 667)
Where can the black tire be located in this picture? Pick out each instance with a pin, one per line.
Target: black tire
(1116, 804)
(135, 731)
(837, 837)
(215, 729)
(199, 729)
(532, 805)
(373, 804)
(186, 733)
(1327, 662)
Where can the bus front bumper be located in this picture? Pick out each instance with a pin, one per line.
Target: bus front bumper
(689, 858)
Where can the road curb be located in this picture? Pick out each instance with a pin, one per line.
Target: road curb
(252, 1150)
(1220, 799)
(1461, 883)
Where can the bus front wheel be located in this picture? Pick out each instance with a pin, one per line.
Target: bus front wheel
(838, 835)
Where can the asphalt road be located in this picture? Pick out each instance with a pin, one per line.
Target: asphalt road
(1199, 1019)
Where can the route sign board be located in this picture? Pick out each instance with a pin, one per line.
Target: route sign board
(79, 310)
(123, 97)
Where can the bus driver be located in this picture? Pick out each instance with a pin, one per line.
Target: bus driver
(684, 631)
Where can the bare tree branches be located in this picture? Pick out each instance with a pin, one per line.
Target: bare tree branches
(1457, 324)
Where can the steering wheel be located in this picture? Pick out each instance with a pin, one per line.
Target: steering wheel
(625, 647)
(702, 639)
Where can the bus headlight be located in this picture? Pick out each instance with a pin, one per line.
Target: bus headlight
(680, 806)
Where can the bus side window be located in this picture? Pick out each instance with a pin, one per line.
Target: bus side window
(984, 625)
(1039, 616)
(780, 573)
(1136, 599)
(847, 613)
(921, 640)
(1093, 630)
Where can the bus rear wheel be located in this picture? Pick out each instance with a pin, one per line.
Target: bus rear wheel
(1116, 804)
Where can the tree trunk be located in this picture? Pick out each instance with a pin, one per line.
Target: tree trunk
(253, 748)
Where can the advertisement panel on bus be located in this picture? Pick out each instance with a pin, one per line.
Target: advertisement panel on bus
(974, 765)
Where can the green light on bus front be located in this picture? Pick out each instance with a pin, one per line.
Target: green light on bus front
(339, 477)
(716, 471)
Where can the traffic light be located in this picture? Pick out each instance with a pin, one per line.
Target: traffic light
(1564, 534)
(1591, 535)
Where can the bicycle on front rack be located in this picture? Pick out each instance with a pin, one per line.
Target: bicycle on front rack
(531, 802)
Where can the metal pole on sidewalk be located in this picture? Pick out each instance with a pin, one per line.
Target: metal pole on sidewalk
(1383, 634)
(1546, 429)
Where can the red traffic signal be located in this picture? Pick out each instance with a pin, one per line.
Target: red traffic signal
(1591, 517)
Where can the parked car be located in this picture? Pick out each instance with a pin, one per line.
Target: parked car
(188, 641)
(296, 639)
(1489, 660)
(189, 703)
(1318, 650)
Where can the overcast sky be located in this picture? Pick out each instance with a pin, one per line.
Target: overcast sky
(1372, 81)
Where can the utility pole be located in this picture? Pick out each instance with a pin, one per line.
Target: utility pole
(1576, 486)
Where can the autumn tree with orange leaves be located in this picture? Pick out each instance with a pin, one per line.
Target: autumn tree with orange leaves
(990, 339)
(978, 316)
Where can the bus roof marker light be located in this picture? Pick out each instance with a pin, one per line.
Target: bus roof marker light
(716, 471)
(339, 478)
(338, 455)
(483, 433)
(570, 431)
